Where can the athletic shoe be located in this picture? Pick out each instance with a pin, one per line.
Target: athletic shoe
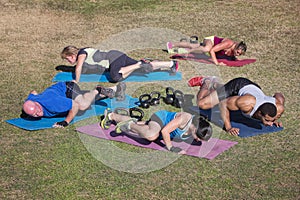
(106, 122)
(213, 80)
(169, 46)
(108, 92)
(146, 67)
(124, 126)
(120, 93)
(196, 81)
(182, 50)
(174, 67)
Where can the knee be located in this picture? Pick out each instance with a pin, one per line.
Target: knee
(152, 137)
(116, 78)
(84, 106)
(203, 105)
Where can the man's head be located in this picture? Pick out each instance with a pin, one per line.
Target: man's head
(267, 113)
(33, 109)
(204, 129)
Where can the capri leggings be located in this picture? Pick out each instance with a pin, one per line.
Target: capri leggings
(233, 87)
(118, 60)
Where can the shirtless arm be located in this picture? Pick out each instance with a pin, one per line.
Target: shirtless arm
(243, 103)
(226, 43)
(78, 67)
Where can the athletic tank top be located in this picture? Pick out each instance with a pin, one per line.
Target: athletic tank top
(166, 117)
(94, 57)
(261, 98)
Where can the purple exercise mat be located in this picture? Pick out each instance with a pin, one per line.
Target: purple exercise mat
(208, 150)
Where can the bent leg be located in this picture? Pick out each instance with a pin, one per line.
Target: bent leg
(208, 101)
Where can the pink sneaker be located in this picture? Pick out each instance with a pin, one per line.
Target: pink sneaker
(169, 45)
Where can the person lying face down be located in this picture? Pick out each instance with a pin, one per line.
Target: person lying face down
(162, 124)
(66, 99)
(240, 94)
(216, 46)
(119, 65)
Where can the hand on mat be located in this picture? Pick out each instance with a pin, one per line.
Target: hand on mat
(221, 64)
(61, 124)
(278, 124)
(233, 131)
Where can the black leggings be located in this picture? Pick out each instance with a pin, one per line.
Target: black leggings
(233, 87)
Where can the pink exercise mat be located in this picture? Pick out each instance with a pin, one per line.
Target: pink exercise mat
(208, 150)
(207, 60)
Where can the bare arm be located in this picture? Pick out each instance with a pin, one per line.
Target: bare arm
(78, 67)
(177, 122)
(226, 43)
(71, 114)
(243, 103)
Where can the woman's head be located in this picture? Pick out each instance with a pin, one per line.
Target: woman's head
(204, 129)
(69, 53)
(240, 49)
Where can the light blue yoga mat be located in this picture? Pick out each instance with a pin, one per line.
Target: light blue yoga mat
(95, 110)
(248, 126)
(134, 77)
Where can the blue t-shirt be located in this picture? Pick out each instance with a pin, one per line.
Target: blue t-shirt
(53, 100)
(166, 117)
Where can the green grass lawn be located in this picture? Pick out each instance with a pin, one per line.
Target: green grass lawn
(64, 164)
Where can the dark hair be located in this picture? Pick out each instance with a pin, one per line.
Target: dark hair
(204, 130)
(268, 109)
(242, 45)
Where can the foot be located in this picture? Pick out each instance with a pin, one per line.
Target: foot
(108, 92)
(106, 122)
(210, 82)
(124, 126)
(146, 67)
(120, 93)
(174, 67)
(196, 81)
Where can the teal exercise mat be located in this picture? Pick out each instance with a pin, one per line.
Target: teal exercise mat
(134, 77)
(248, 126)
(96, 109)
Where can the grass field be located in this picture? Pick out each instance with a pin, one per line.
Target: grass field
(64, 164)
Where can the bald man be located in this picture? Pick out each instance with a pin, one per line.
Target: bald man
(240, 94)
(66, 99)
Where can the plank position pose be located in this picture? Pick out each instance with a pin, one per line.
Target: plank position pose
(162, 124)
(119, 65)
(66, 99)
(215, 46)
(240, 94)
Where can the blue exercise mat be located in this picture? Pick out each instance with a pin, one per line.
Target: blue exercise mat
(134, 77)
(248, 126)
(95, 110)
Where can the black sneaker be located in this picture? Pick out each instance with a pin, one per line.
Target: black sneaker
(120, 93)
(108, 92)
(146, 67)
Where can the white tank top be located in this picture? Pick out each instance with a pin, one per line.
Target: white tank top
(261, 98)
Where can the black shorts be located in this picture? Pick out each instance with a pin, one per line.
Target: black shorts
(73, 90)
(118, 60)
(155, 118)
(233, 87)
